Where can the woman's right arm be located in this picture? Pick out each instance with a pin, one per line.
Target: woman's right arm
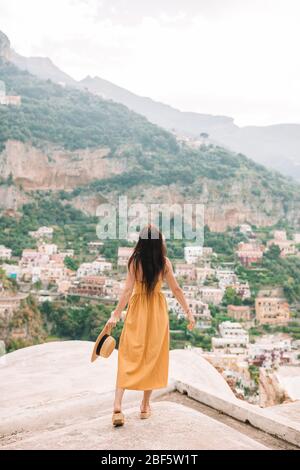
(178, 293)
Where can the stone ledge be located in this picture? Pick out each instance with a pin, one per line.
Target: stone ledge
(263, 419)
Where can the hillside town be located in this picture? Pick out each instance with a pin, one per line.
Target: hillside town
(249, 363)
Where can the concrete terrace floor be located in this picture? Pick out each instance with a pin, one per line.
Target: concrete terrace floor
(52, 397)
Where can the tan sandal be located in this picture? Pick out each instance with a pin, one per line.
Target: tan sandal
(145, 414)
(118, 419)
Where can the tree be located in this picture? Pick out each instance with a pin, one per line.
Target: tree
(273, 252)
(231, 297)
(254, 373)
(71, 263)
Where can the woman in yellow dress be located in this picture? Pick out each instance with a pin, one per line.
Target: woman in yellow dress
(143, 356)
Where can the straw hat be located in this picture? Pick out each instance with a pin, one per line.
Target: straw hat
(104, 345)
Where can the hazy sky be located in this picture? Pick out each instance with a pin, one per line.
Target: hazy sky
(232, 57)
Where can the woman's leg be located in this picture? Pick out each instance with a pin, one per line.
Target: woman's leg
(146, 401)
(118, 399)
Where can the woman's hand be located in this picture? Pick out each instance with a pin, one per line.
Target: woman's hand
(112, 321)
(191, 320)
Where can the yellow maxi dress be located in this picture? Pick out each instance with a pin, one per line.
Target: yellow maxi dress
(143, 356)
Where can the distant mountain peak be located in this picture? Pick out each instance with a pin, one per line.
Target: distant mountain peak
(42, 67)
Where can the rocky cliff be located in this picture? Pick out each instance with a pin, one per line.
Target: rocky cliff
(226, 204)
(5, 51)
(55, 168)
(22, 327)
(271, 391)
(12, 197)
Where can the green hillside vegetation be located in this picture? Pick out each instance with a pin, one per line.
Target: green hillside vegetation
(72, 227)
(75, 318)
(71, 118)
(275, 271)
(74, 119)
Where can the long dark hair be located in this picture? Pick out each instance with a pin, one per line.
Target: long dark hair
(150, 255)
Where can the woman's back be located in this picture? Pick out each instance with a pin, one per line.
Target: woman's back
(139, 287)
(144, 343)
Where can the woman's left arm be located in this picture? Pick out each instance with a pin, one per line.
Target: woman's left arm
(124, 298)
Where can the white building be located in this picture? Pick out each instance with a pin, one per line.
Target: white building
(200, 309)
(245, 229)
(93, 269)
(203, 273)
(63, 285)
(201, 312)
(297, 238)
(124, 253)
(280, 235)
(48, 249)
(53, 273)
(187, 271)
(8, 100)
(33, 258)
(232, 330)
(87, 269)
(95, 246)
(225, 277)
(270, 351)
(190, 290)
(234, 339)
(192, 254)
(67, 253)
(173, 305)
(242, 289)
(113, 288)
(211, 295)
(103, 264)
(5, 253)
(43, 232)
(31, 273)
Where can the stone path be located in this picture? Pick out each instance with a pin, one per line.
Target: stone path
(172, 426)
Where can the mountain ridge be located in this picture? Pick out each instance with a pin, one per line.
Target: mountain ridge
(275, 146)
